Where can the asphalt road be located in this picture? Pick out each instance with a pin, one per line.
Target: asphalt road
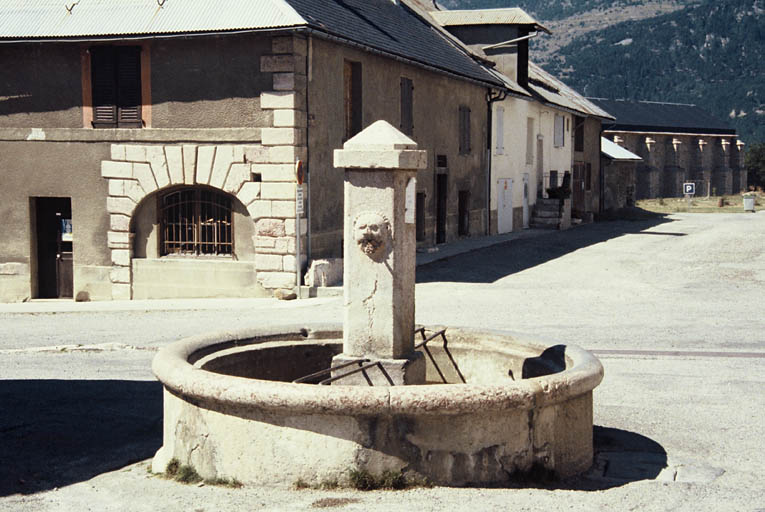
(672, 306)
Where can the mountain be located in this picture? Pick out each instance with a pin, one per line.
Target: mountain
(704, 52)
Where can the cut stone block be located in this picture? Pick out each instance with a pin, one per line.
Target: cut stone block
(121, 257)
(277, 190)
(249, 192)
(111, 169)
(289, 117)
(237, 175)
(120, 291)
(205, 158)
(284, 63)
(119, 223)
(268, 262)
(282, 136)
(118, 152)
(273, 280)
(156, 158)
(282, 99)
(259, 209)
(145, 177)
(174, 158)
(269, 227)
(135, 153)
(121, 205)
(189, 164)
(224, 157)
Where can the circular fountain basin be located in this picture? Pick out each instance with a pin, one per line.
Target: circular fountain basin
(231, 410)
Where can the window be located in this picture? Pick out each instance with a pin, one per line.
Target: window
(578, 133)
(352, 98)
(195, 221)
(116, 86)
(530, 140)
(558, 135)
(407, 100)
(500, 129)
(464, 130)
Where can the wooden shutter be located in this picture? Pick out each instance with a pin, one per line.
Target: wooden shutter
(103, 76)
(464, 128)
(129, 87)
(352, 94)
(407, 116)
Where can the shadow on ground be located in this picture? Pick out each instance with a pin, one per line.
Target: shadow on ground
(59, 432)
(621, 457)
(497, 261)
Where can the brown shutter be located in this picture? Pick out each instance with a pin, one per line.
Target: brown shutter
(103, 76)
(464, 130)
(129, 87)
(407, 116)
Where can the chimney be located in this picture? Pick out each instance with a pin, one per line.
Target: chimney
(522, 66)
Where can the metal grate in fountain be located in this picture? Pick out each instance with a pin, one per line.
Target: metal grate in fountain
(366, 364)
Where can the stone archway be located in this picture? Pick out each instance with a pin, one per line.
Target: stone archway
(135, 171)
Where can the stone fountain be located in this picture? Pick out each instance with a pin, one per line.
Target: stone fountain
(311, 402)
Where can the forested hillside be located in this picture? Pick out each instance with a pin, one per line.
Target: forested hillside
(705, 52)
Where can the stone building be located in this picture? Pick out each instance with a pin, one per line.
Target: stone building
(153, 149)
(541, 128)
(618, 167)
(678, 143)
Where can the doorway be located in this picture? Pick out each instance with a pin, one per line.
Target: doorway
(441, 197)
(53, 230)
(504, 205)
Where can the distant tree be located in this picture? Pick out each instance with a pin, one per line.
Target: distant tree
(754, 162)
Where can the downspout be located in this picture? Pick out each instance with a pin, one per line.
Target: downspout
(601, 173)
(308, 73)
(490, 98)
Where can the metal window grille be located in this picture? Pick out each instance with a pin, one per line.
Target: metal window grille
(196, 222)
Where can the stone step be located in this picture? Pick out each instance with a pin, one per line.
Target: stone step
(548, 201)
(552, 221)
(535, 225)
(546, 213)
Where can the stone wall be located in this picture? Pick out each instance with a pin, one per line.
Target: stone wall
(711, 161)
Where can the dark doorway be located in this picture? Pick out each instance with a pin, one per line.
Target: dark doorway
(54, 247)
(463, 212)
(420, 218)
(441, 197)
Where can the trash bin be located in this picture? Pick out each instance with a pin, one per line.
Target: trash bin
(748, 203)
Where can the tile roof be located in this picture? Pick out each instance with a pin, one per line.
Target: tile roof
(555, 92)
(393, 28)
(646, 116)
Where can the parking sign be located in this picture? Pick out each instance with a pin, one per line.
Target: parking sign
(689, 189)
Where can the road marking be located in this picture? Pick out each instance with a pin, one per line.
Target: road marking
(679, 353)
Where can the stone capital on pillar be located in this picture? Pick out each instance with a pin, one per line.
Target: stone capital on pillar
(381, 166)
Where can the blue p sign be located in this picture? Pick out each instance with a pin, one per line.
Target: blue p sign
(689, 189)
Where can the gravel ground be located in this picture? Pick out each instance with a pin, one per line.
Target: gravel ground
(673, 306)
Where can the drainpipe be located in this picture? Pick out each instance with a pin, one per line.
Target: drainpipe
(490, 98)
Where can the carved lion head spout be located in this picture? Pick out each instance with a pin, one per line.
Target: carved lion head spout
(371, 231)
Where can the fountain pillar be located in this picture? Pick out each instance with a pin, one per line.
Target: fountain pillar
(381, 165)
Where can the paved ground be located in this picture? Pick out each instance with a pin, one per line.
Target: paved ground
(673, 307)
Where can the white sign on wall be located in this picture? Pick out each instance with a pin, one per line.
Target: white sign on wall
(300, 200)
(409, 204)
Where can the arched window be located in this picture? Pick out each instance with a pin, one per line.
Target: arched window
(195, 221)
